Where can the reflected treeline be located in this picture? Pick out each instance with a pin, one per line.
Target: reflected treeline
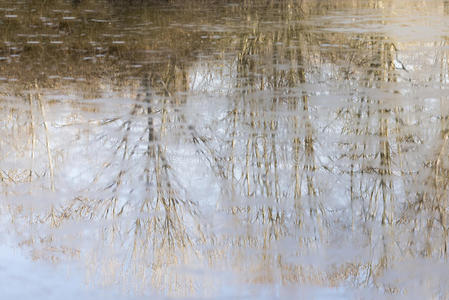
(321, 157)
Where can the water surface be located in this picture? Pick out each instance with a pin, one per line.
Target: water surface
(226, 149)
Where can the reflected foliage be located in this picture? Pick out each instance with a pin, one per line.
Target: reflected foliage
(272, 140)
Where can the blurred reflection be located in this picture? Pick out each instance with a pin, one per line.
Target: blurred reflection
(281, 142)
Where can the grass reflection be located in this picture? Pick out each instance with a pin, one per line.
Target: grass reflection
(318, 160)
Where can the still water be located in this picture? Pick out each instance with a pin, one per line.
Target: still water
(225, 149)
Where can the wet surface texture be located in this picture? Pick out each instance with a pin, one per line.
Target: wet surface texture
(230, 149)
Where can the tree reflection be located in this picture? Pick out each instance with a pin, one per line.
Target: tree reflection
(318, 146)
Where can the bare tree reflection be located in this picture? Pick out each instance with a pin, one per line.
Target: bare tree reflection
(328, 150)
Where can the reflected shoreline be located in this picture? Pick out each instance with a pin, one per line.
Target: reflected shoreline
(275, 143)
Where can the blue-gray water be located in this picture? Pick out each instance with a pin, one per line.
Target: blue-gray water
(225, 149)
